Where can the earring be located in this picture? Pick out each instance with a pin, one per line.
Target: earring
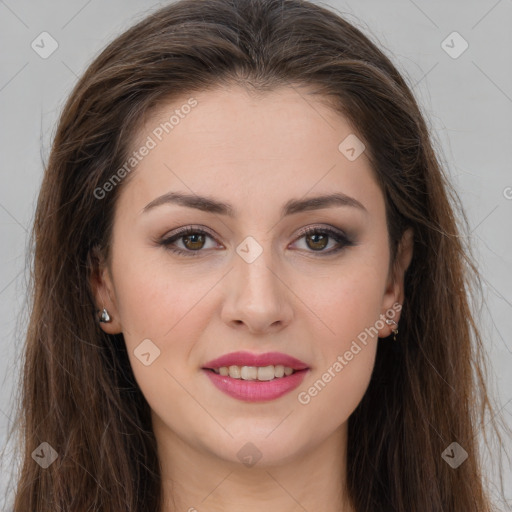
(105, 317)
(389, 321)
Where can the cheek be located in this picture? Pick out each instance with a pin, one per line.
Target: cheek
(167, 305)
(348, 305)
(345, 360)
(155, 298)
(330, 397)
(164, 305)
(347, 302)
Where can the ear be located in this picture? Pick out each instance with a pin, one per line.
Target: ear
(103, 290)
(394, 293)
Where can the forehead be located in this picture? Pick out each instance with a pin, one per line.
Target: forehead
(242, 122)
(253, 149)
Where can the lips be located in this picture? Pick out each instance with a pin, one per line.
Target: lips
(255, 390)
(249, 359)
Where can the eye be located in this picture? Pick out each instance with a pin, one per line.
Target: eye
(318, 238)
(193, 240)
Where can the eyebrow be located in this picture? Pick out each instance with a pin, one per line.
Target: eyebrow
(209, 204)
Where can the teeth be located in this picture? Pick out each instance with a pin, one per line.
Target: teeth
(254, 372)
(234, 372)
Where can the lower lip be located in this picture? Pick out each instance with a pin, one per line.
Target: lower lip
(256, 390)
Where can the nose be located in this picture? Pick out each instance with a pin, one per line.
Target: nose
(257, 297)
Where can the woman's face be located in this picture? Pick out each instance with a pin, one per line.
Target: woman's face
(247, 278)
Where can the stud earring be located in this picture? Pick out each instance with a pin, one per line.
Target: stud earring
(105, 317)
(389, 321)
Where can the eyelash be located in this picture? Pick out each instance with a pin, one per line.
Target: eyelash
(338, 237)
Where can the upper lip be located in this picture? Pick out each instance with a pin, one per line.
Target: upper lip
(249, 359)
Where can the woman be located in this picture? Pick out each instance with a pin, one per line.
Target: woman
(250, 288)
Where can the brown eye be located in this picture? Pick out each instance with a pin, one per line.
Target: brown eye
(318, 241)
(194, 241)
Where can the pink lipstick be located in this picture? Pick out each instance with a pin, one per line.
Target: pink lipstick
(256, 377)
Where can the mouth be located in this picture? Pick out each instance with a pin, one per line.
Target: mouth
(255, 373)
(254, 377)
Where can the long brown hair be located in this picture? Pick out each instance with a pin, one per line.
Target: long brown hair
(78, 392)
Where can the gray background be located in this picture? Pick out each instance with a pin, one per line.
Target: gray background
(467, 102)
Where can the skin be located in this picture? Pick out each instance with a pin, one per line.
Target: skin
(255, 153)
